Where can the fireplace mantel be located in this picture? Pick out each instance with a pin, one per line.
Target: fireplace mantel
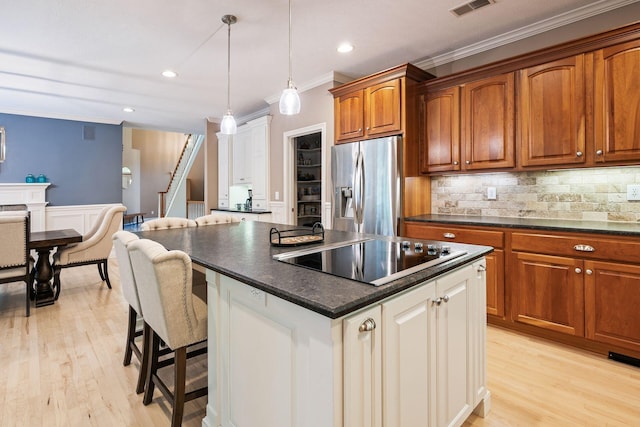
(32, 195)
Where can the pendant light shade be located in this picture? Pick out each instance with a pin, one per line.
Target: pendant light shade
(228, 125)
(290, 100)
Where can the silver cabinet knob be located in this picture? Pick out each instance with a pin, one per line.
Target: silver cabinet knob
(482, 268)
(367, 326)
(599, 153)
(445, 298)
(468, 162)
(589, 272)
(455, 162)
(578, 270)
(449, 236)
(579, 154)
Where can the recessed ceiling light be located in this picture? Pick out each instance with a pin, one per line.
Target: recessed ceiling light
(128, 109)
(345, 47)
(169, 74)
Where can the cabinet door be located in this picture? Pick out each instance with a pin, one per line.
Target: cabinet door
(241, 172)
(551, 117)
(259, 165)
(612, 293)
(441, 138)
(223, 169)
(382, 112)
(617, 103)
(488, 117)
(362, 363)
(408, 369)
(349, 116)
(454, 342)
(495, 283)
(548, 292)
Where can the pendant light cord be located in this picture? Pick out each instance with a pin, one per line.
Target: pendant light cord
(229, 65)
(290, 61)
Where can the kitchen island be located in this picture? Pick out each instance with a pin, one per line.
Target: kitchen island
(292, 346)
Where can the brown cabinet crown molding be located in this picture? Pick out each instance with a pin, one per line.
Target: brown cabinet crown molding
(405, 70)
(537, 57)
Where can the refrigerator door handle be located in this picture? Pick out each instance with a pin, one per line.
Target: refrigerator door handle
(358, 190)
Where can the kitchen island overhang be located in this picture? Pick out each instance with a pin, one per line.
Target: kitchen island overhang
(291, 346)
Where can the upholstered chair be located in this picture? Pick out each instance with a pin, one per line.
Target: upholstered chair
(121, 240)
(15, 262)
(167, 223)
(171, 314)
(94, 249)
(216, 218)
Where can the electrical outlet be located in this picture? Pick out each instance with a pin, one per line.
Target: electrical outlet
(633, 192)
(491, 193)
(277, 195)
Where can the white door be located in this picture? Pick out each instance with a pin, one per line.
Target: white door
(408, 373)
(454, 347)
(362, 359)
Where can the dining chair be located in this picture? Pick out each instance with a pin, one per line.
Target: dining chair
(15, 261)
(216, 218)
(166, 223)
(94, 249)
(172, 313)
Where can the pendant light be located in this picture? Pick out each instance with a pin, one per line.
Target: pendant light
(228, 125)
(290, 100)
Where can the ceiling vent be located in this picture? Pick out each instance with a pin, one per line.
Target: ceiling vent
(471, 6)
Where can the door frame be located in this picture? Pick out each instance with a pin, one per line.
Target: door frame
(288, 185)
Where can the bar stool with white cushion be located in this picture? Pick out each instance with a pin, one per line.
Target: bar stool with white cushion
(172, 313)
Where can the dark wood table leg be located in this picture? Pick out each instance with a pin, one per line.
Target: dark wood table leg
(43, 291)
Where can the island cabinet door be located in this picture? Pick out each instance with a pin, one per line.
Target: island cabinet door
(277, 361)
(362, 362)
(455, 347)
(409, 370)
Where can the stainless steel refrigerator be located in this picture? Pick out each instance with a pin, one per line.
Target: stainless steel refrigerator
(366, 177)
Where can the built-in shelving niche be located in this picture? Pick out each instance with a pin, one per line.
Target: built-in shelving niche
(308, 169)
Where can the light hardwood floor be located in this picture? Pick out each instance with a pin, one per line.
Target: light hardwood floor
(63, 367)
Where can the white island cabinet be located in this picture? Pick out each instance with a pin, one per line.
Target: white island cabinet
(417, 358)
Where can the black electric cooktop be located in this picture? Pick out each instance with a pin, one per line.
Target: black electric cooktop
(372, 261)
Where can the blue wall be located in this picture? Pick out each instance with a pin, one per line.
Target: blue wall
(80, 171)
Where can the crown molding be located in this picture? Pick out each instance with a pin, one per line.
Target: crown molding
(522, 33)
(331, 76)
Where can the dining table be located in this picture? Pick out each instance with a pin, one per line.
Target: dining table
(43, 242)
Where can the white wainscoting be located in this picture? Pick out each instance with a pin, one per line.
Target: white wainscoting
(78, 217)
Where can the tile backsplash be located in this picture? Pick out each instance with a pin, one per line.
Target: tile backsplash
(598, 194)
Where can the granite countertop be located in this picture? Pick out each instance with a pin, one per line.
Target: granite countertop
(253, 211)
(601, 227)
(242, 251)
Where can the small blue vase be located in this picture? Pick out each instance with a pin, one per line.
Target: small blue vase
(30, 179)
(41, 178)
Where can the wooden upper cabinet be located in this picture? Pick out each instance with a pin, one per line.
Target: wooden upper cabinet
(617, 103)
(382, 112)
(349, 117)
(488, 120)
(551, 117)
(441, 136)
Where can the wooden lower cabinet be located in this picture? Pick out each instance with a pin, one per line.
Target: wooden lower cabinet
(612, 300)
(548, 292)
(495, 273)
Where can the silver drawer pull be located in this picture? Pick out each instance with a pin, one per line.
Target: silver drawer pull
(584, 248)
(449, 236)
(367, 326)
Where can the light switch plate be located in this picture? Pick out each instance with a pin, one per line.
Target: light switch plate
(633, 192)
(491, 193)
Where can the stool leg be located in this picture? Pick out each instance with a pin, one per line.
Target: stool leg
(131, 336)
(180, 371)
(105, 267)
(152, 364)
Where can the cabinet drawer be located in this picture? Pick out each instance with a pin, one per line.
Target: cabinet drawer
(455, 234)
(588, 247)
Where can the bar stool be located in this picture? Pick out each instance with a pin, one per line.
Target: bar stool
(171, 314)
